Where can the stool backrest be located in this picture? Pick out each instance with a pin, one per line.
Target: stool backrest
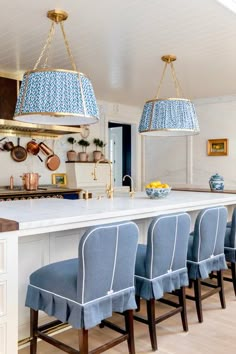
(107, 259)
(167, 244)
(232, 237)
(209, 233)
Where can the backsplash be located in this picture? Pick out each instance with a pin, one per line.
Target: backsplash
(61, 146)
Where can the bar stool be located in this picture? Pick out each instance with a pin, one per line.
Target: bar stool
(230, 249)
(206, 255)
(85, 291)
(161, 267)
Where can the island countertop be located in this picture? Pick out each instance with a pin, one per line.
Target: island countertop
(59, 214)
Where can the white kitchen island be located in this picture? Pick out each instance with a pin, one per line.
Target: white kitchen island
(50, 230)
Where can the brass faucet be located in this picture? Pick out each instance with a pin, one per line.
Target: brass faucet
(84, 194)
(109, 189)
(132, 192)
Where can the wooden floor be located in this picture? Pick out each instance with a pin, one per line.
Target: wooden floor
(215, 335)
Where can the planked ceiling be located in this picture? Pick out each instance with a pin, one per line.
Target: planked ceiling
(118, 44)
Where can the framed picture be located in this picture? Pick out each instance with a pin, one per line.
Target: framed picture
(59, 179)
(217, 147)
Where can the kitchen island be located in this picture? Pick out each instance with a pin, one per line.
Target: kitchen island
(50, 230)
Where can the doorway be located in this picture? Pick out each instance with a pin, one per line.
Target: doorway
(120, 152)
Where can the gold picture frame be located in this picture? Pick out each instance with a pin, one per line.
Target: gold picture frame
(217, 147)
(60, 179)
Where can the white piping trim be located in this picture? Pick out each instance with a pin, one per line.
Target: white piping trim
(230, 248)
(78, 303)
(173, 253)
(217, 228)
(204, 260)
(115, 259)
(89, 234)
(152, 231)
(161, 276)
(199, 226)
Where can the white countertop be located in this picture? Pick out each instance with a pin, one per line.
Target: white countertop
(47, 215)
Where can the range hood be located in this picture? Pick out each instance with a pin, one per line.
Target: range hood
(14, 128)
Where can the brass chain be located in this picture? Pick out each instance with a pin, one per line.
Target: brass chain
(68, 47)
(46, 46)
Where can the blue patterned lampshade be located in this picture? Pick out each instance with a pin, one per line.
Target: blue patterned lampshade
(169, 116)
(56, 96)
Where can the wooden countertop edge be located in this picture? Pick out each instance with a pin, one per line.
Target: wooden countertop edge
(8, 225)
(189, 189)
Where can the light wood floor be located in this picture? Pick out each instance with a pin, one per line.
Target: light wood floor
(217, 334)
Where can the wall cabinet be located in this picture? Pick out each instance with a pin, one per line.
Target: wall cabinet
(8, 97)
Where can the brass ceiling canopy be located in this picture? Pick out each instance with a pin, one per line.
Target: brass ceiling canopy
(168, 58)
(57, 15)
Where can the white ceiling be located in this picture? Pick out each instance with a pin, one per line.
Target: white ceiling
(118, 44)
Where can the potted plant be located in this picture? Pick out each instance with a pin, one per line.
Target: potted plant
(71, 154)
(97, 154)
(102, 146)
(83, 156)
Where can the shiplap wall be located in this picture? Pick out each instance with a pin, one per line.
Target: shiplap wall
(184, 160)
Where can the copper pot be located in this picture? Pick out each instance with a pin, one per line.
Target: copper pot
(33, 148)
(52, 161)
(8, 145)
(30, 181)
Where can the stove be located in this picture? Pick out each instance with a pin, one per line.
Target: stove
(43, 191)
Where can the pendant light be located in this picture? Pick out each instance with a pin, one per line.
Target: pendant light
(169, 116)
(56, 96)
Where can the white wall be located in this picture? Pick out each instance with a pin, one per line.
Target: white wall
(108, 112)
(184, 160)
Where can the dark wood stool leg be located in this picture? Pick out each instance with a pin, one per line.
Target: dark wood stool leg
(198, 300)
(182, 302)
(129, 325)
(83, 341)
(233, 272)
(137, 298)
(151, 322)
(220, 284)
(33, 330)
(190, 285)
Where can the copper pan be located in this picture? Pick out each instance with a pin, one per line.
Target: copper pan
(18, 153)
(52, 161)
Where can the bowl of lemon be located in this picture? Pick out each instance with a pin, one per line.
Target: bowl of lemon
(157, 190)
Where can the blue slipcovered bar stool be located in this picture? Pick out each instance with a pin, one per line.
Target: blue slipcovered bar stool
(230, 249)
(206, 255)
(85, 291)
(161, 267)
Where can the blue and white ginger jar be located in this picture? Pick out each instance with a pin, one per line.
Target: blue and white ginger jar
(216, 182)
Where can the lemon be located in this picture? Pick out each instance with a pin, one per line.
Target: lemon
(165, 185)
(157, 182)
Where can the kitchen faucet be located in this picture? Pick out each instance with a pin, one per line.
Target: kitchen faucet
(109, 189)
(132, 192)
